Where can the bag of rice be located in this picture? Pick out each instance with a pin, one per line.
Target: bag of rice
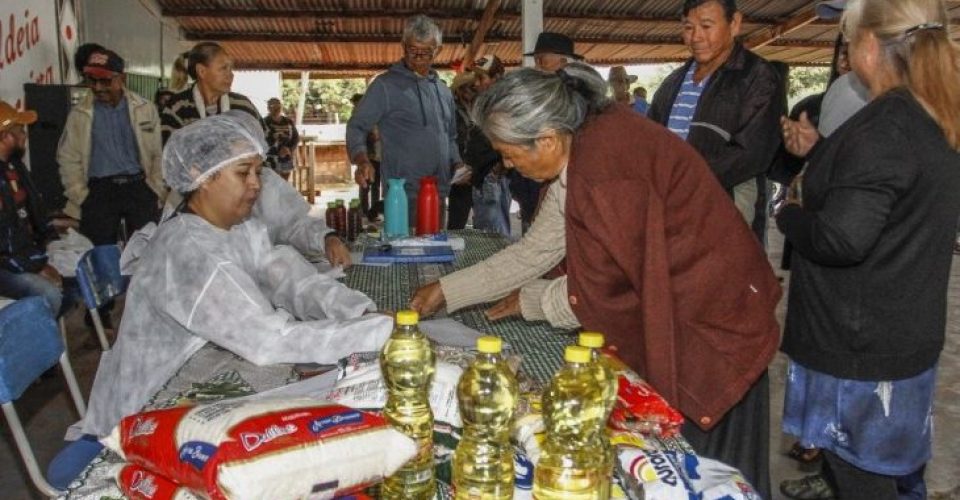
(138, 483)
(674, 475)
(293, 448)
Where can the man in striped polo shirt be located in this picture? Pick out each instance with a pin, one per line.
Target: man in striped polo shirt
(726, 102)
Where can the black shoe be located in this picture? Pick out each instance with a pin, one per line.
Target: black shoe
(813, 487)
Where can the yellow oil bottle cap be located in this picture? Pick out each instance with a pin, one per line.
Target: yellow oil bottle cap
(593, 340)
(489, 344)
(407, 317)
(576, 354)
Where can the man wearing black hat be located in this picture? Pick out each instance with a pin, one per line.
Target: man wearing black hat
(553, 51)
(109, 154)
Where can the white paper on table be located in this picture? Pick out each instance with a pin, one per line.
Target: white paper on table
(450, 332)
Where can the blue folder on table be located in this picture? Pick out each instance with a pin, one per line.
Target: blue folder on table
(388, 254)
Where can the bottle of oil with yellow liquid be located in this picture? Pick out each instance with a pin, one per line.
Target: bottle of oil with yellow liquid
(607, 378)
(487, 393)
(408, 363)
(574, 463)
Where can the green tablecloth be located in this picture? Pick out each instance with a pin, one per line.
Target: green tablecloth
(391, 288)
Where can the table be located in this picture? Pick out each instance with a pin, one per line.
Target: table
(214, 373)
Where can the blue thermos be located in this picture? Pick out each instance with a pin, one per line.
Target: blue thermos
(397, 220)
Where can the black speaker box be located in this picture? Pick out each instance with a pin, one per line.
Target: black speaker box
(52, 104)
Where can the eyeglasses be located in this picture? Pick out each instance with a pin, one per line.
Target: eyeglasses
(418, 52)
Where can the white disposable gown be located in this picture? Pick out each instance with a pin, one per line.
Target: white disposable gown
(197, 283)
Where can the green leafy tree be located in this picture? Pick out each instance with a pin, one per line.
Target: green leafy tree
(324, 96)
(807, 80)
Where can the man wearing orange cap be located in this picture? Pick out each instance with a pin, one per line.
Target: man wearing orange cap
(25, 229)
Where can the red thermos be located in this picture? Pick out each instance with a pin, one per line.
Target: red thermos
(428, 207)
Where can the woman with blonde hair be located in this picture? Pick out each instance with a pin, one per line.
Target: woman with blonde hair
(873, 234)
(179, 79)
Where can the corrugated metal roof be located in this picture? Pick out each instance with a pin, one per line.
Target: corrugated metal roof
(359, 37)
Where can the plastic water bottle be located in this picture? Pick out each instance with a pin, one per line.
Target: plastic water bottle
(396, 218)
(487, 392)
(607, 378)
(428, 207)
(573, 464)
(407, 363)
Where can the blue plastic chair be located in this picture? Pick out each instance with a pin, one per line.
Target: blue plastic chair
(99, 279)
(30, 343)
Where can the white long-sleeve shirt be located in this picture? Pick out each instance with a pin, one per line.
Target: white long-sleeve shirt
(520, 266)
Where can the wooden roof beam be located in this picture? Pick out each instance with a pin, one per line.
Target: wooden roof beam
(437, 14)
(453, 40)
(773, 33)
(486, 22)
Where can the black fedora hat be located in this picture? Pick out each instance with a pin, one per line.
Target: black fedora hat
(554, 43)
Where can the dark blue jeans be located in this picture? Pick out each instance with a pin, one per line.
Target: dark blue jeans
(20, 285)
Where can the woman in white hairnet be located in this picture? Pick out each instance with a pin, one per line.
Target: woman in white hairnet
(210, 274)
(282, 210)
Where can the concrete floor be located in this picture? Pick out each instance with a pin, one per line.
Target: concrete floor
(46, 409)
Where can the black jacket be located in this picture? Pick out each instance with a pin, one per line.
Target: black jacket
(741, 108)
(873, 245)
(22, 239)
(475, 149)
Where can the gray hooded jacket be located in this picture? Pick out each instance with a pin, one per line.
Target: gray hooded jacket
(417, 121)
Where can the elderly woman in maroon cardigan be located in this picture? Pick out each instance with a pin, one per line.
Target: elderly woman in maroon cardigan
(657, 256)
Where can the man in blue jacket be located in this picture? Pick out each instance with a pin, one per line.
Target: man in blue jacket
(416, 116)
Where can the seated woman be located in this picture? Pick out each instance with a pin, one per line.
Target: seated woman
(210, 274)
(657, 256)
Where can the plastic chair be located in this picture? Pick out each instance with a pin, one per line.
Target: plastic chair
(30, 343)
(99, 279)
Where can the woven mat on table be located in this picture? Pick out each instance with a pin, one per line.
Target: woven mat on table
(391, 288)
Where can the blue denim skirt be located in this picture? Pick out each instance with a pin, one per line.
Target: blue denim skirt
(882, 427)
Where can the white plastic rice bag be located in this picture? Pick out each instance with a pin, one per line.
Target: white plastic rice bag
(273, 448)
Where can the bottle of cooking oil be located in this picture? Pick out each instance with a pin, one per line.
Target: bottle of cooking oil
(488, 392)
(408, 362)
(607, 378)
(573, 464)
(604, 372)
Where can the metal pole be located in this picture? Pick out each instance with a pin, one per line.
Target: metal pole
(532, 14)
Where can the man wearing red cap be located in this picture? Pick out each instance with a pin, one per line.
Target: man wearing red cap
(25, 229)
(109, 154)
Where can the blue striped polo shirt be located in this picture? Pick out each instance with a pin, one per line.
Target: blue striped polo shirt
(685, 105)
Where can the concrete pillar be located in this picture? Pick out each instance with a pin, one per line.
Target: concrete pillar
(532, 13)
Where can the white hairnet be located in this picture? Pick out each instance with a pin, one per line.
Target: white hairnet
(204, 147)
